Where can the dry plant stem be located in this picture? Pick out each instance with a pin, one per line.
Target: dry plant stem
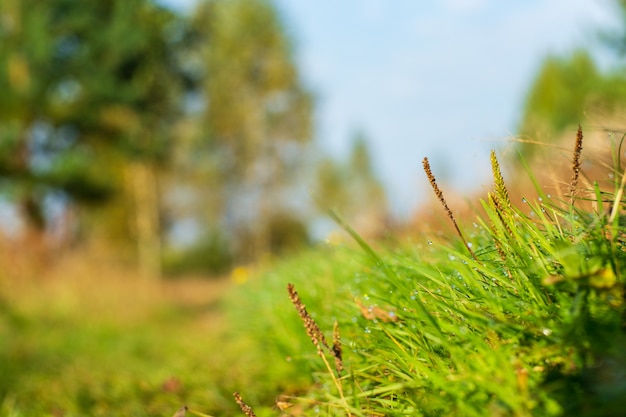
(335, 381)
(181, 411)
(316, 336)
(578, 148)
(247, 410)
(337, 348)
(618, 198)
(439, 194)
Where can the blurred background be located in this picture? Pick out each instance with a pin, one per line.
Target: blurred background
(174, 137)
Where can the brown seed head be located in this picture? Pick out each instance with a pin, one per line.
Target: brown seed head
(578, 149)
(247, 410)
(312, 329)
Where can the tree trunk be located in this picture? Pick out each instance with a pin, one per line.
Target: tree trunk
(147, 225)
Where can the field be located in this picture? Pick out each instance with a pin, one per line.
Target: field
(517, 312)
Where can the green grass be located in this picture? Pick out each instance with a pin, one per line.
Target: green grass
(76, 366)
(77, 346)
(530, 322)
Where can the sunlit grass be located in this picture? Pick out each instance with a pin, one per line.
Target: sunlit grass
(523, 317)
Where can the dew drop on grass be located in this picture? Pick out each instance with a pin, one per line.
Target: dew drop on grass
(430, 242)
(546, 332)
(469, 245)
(367, 330)
(524, 200)
(452, 257)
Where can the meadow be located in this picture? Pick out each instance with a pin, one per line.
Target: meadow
(516, 310)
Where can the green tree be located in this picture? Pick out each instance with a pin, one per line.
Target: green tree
(255, 122)
(90, 90)
(559, 95)
(570, 89)
(353, 189)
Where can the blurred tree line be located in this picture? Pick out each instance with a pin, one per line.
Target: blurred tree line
(571, 89)
(183, 139)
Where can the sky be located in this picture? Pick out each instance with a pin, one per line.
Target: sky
(444, 79)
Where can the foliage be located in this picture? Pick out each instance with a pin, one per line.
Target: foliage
(559, 94)
(209, 255)
(255, 122)
(111, 108)
(352, 187)
(570, 90)
(85, 84)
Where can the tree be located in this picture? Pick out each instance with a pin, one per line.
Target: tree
(90, 90)
(353, 189)
(255, 121)
(559, 95)
(570, 89)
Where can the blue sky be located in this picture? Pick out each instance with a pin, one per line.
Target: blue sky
(439, 78)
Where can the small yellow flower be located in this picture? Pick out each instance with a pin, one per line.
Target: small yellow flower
(240, 275)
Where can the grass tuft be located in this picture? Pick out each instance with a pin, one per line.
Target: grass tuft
(537, 327)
